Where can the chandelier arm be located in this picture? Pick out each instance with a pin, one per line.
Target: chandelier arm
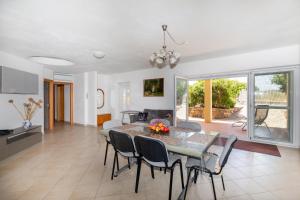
(172, 38)
(164, 39)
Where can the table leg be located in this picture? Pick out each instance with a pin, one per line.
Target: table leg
(186, 187)
(126, 167)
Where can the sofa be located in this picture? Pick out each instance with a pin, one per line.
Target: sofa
(148, 114)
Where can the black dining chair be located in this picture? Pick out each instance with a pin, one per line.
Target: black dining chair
(107, 126)
(123, 145)
(212, 164)
(155, 154)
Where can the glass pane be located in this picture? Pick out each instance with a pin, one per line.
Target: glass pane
(181, 98)
(272, 89)
(271, 113)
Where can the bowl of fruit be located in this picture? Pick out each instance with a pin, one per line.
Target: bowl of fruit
(158, 127)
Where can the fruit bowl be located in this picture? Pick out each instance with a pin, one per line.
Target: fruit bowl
(158, 127)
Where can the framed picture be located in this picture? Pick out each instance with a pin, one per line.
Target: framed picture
(154, 87)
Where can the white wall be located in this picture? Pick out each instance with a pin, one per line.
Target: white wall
(137, 100)
(103, 83)
(63, 78)
(85, 105)
(92, 98)
(67, 103)
(48, 74)
(80, 99)
(9, 117)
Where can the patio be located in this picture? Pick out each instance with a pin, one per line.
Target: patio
(223, 126)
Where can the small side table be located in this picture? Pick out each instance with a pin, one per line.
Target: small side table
(129, 112)
(101, 118)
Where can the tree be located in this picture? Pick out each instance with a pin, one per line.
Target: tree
(196, 94)
(281, 80)
(224, 93)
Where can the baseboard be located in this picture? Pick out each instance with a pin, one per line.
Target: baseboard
(88, 125)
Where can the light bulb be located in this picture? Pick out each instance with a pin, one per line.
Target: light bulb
(152, 57)
(159, 60)
(173, 59)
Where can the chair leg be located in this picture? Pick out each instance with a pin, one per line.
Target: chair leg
(152, 172)
(128, 159)
(171, 182)
(113, 168)
(268, 128)
(106, 152)
(181, 174)
(118, 168)
(196, 175)
(187, 182)
(139, 163)
(244, 126)
(213, 186)
(223, 182)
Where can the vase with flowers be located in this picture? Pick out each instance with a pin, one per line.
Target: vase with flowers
(29, 109)
(158, 127)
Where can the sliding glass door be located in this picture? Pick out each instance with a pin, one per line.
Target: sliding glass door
(181, 98)
(271, 110)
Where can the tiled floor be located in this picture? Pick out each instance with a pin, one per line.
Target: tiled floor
(69, 165)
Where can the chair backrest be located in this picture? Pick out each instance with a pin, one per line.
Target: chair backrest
(195, 126)
(121, 142)
(261, 113)
(227, 150)
(152, 150)
(111, 124)
(164, 121)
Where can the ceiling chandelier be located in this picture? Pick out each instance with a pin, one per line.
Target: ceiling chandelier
(165, 57)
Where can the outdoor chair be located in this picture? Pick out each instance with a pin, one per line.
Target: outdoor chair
(261, 114)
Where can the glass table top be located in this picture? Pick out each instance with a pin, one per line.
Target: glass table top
(179, 140)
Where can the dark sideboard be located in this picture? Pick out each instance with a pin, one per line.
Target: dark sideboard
(16, 140)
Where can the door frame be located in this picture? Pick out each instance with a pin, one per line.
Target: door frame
(71, 84)
(295, 111)
(175, 98)
(292, 105)
(51, 102)
(231, 75)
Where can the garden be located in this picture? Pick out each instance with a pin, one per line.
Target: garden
(225, 93)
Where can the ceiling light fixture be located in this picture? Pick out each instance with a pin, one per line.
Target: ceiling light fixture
(165, 57)
(51, 61)
(98, 54)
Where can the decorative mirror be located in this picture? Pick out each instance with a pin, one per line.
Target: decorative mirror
(100, 98)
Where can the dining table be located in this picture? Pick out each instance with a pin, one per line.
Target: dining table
(182, 141)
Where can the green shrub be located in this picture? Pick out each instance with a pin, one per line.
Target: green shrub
(224, 93)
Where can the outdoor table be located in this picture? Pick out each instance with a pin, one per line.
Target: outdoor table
(181, 141)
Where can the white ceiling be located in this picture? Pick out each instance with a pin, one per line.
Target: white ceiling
(128, 31)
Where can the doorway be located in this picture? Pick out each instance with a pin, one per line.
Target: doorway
(48, 104)
(63, 103)
(257, 105)
(218, 104)
(272, 106)
(124, 99)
